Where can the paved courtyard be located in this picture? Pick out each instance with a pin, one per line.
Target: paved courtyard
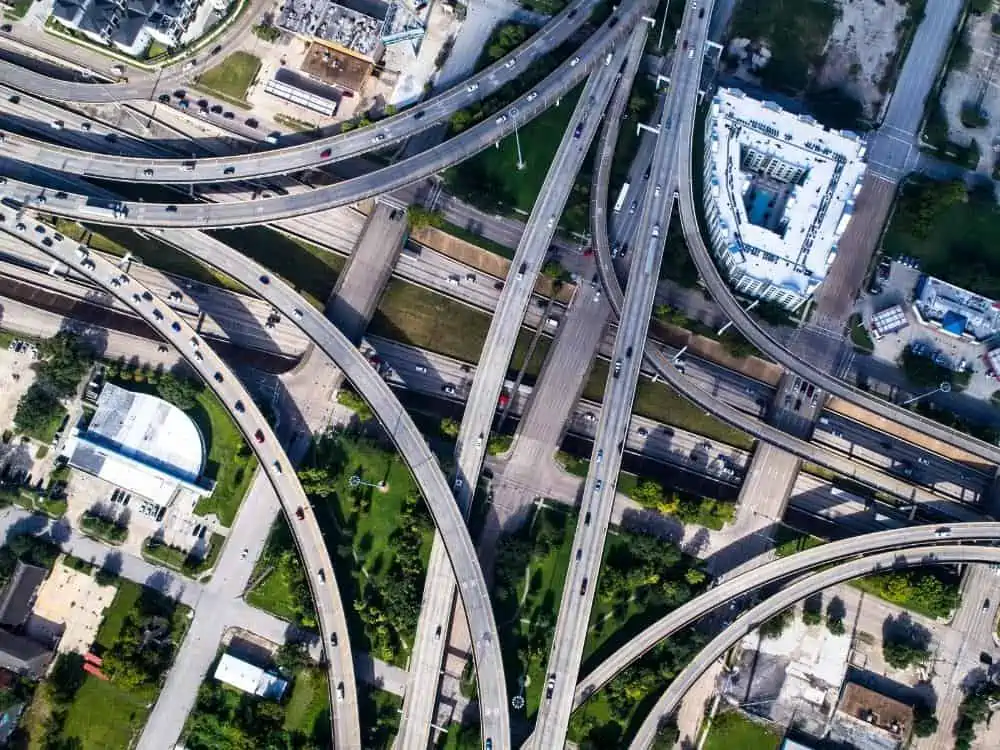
(74, 600)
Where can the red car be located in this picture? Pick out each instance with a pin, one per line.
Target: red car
(326, 154)
(259, 436)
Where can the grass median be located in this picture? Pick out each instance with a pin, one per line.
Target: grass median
(231, 78)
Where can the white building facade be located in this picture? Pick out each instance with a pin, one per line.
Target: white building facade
(779, 191)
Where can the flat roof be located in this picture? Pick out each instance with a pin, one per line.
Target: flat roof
(334, 67)
(355, 25)
(249, 678)
(784, 186)
(148, 429)
(958, 310)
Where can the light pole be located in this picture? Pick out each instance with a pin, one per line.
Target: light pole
(517, 140)
(944, 387)
(356, 481)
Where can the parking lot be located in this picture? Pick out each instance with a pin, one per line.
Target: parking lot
(897, 288)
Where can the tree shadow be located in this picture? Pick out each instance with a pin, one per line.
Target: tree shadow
(836, 609)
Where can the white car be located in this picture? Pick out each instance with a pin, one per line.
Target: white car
(690, 52)
(656, 230)
(656, 191)
(421, 369)
(552, 221)
(510, 63)
(472, 87)
(574, 62)
(532, 96)
(501, 119)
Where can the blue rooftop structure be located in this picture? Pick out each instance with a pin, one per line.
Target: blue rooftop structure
(954, 323)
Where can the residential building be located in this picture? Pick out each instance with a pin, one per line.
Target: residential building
(129, 25)
(954, 310)
(249, 678)
(779, 191)
(18, 596)
(868, 720)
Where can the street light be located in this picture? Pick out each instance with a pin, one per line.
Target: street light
(356, 481)
(944, 387)
(517, 140)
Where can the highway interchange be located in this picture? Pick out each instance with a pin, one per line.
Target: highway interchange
(670, 166)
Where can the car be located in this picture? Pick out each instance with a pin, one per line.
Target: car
(942, 532)
(57, 124)
(244, 553)
(621, 253)
(521, 270)
(489, 740)
(632, 207)
(578, 130)
(259, 436)
(448, 389)
(277, 467)
(583, 587)
(459, 483)
(923, 460)
(300, 513)
(218, 377)
(579, 554)
(420, 115)
(472, 87)
(171, 209)
(574, 62)
(340, 692)
(6, 28)
(618, 368)
(378, 138)
(421, 369)
(589, 416)
(164, 98)
(180, 94)
(325, 153)
(216, 109)
(656, 192)
(628, 353)
(176, 327)
(148, 172)
(600, 456)
(532, 96)
(598, 485)
(552, 221)
(240, 408)
(691, 53)
(501, 119)
(550, 687)
(227, 115)
(264, 279)
(986, 659)
(251, 123)
(586, 519)
(437, 633)
(47, 242)
(701, 13)
(321, 575)
(656, 230)
(13, 98)
(216, 49)
(510, 63)
(229, 170)
(642, 432)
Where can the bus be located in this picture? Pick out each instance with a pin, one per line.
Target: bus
(620, 203)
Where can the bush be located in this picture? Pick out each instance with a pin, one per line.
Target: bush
(101, 527)
(267, 32)
(774, 627)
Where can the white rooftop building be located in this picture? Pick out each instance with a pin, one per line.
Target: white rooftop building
(249, 678)
(143, 444)
(779, 191)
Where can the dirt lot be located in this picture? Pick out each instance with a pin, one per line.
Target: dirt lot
(76, 601)
(861, 49)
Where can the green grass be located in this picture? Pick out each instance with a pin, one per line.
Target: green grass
(932, 592)
(413, 315)
(46, 432)
(232, 77)
(368, 537)
(18, 9)
(125, 600)
(161, 554)
(378, 712)
(528, 616)
(309, 702)
(859, 335)
(229, 462)
(156, 49)
(274, 591)
(789, 541)
(731, 729)
(310, 269)
(960, 242)
(103, 715)
(659, 402)
(476, 239)
(497, 167)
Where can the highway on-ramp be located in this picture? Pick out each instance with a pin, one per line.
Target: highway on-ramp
(384, 133)
(259, 436)
(754, 618)
(599, 489)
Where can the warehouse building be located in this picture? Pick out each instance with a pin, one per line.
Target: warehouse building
(779, 191)
(143, 445)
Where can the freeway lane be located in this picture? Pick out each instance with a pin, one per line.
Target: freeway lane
(786, 567)
(749, 621)
(384, 133)
(470, 448)
(412, 447)
(462, 146)
(260, 437)
(597, 503)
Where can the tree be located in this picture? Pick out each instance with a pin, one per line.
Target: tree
(648, 493)
(37, 409)
(291, 657)
(67, 677)
(353, 401)
(900, 652)
(811, 617)
(449, 427)
(498, 444)
(925, 723)
(667, 734)
(775, 626)
(181, 392)
(835, 625)
(420, 217)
